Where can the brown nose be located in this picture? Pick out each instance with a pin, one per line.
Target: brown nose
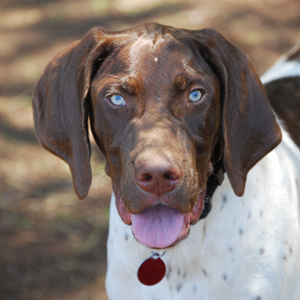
(158, 175)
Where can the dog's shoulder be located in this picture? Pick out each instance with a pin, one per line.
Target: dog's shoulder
(282, 84)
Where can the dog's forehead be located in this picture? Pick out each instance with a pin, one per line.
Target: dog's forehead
(150, 57)
(155, 46)
(148, 52)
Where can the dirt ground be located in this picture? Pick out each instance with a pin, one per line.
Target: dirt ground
(53, 246)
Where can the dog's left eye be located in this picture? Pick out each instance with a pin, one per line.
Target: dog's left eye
(195, 96)
(117, 100)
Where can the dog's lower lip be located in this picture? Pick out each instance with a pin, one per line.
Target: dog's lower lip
(189, 218)
(122, 210)
(197, 209)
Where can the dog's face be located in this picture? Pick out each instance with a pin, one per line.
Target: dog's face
(165, 105)
(165, 123)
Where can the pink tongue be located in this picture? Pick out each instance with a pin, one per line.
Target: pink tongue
(158, 226)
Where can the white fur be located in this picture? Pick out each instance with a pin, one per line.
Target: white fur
(282, 68)
(247, 248)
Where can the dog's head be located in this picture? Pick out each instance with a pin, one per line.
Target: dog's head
(164, 105)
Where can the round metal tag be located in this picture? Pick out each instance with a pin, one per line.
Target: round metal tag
(152, 270)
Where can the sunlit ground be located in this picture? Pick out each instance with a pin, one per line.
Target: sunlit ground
(53, 246)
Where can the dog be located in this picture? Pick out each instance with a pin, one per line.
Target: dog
(205, 181)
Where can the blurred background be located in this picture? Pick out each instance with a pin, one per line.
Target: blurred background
(53, 246)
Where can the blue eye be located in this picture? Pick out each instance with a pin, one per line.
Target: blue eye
(117, 100)
(195, 96)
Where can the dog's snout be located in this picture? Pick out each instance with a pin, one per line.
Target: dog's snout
(158, 174)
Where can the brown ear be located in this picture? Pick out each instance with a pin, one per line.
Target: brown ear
(250, 130)
(60, 109)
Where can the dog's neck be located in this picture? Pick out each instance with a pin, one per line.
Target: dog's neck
(213, 181)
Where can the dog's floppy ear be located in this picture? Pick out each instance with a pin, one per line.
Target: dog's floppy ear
(60, 108)
(249, 127)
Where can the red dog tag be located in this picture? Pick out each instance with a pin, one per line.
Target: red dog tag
(152, 270)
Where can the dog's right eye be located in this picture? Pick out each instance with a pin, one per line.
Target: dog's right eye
(117, 100)
(195, 96)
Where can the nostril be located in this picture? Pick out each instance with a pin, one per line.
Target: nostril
(168, 176)
(143, 177)
(173, 174)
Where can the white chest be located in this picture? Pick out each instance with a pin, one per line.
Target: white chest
(247, 248)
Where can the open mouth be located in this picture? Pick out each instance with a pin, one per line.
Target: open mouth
(160, 226)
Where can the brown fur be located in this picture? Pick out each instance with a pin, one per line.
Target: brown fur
(233, 121)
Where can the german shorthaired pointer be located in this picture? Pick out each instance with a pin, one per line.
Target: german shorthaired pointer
(172, 110)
